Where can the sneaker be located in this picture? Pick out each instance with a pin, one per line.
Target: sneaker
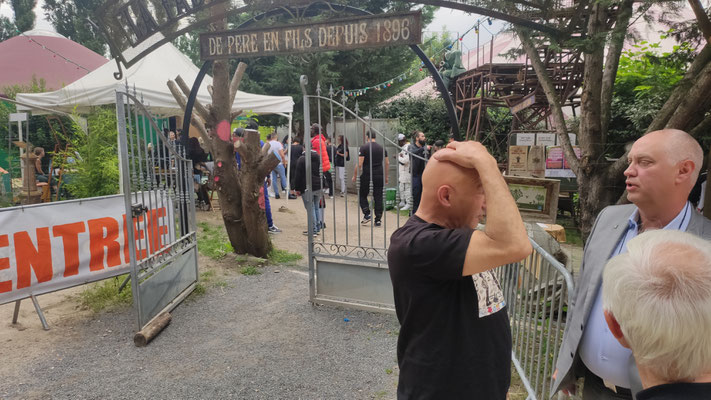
(405, 208)
(292, 196)
(377, 222)
(366, 219)
(343, 194)
(306, 233)
(277, 197)
(273, 229)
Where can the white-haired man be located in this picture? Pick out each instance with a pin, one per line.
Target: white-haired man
(663, 168)
(657, 302)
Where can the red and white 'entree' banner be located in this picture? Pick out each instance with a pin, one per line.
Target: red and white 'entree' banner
(54, 246)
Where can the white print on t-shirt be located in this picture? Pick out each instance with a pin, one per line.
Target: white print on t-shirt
(488, 291)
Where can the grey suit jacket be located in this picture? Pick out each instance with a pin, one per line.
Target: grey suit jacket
(607, 231)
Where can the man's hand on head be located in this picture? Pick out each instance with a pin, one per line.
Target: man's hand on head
(467, 154)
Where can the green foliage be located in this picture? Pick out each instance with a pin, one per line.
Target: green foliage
(96, 171)
(7, 28)
(213, 242)
(249, 270)
(645, 79)
(418, 113)
(70, 20)
(283, 257)
(104, 295)
(24, 14)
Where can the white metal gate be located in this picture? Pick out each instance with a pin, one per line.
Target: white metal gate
(157, 184)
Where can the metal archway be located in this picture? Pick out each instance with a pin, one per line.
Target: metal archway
(310, 11)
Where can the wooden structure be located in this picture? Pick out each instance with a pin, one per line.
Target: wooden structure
(516, 87)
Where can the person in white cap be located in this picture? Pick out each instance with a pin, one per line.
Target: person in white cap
(404, 173)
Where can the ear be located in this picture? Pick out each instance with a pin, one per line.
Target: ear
(686, 168)
(443, 195)
(615, 329)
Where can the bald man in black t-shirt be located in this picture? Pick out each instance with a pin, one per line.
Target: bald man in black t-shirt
(455, 339)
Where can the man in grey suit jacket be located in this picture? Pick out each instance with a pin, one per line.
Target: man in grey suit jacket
(663, 167)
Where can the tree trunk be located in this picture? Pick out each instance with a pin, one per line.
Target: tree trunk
(694, 104)
(239, 189)
(612, 61)
(681, 90)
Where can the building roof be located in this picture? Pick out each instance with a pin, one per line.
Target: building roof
(45, 55)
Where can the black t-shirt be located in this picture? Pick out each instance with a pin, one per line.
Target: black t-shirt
(296, 150)
(445, 350)
(677, 391)
(340, 160)
(372, 151)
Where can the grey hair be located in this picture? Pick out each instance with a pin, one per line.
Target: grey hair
(660, 294)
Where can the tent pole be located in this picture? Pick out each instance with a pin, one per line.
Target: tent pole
(288, 171)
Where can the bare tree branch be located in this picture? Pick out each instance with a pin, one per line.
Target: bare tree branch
(201, 110)
(236, 81)
(194, 121)
(702, 18)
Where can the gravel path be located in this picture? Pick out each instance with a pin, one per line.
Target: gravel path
(257, 338)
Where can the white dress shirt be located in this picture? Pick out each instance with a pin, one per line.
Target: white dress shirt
(601, 353)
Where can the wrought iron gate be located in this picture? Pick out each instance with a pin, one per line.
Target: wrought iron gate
(157, 184)
(348, 266)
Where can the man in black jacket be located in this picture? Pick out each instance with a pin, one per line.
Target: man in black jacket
(420, 150)
(315, 194)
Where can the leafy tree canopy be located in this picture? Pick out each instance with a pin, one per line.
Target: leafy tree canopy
(70, 18)
(24, 14)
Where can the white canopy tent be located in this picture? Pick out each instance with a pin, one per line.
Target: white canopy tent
(149, 77)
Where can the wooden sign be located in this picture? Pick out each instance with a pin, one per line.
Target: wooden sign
(526, 102)
(339, 34)
(518, 159)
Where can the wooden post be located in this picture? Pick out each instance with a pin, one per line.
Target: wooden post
(152, 329)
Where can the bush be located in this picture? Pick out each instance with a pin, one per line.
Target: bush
(96, 169)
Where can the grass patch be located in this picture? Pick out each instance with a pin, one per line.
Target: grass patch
(213, 241)
(199, 290)
(104, 295)
(388, 371)
(283, 257)
(249, 270)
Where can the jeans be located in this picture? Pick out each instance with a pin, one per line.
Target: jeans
(267, 207)
(416, 192)
(329, 181)
(281, 172)
(315, 211)
(341, 174)
(377, 195)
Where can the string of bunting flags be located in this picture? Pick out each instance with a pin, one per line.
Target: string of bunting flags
(387, 83)
(55, 54)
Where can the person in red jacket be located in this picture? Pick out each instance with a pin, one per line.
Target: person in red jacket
(318, 143)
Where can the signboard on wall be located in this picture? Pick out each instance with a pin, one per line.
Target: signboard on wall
(338, 34)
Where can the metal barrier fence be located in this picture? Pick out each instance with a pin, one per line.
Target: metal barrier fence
(538, 291)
